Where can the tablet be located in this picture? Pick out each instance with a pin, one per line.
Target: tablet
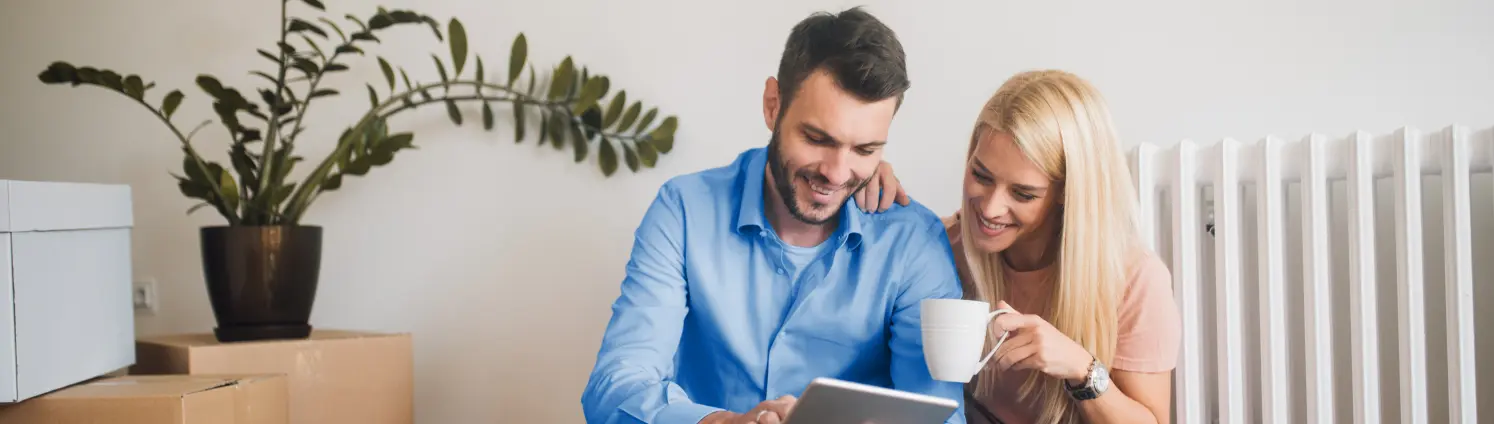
(831, 401)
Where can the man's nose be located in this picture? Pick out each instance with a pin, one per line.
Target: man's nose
(836, 169)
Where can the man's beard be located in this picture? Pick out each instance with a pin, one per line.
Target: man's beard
(789, 193)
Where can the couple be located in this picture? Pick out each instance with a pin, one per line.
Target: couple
(793, 262)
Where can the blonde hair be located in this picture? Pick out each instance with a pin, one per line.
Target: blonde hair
(1061, 124)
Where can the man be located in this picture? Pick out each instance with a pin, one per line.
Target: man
(749, 280)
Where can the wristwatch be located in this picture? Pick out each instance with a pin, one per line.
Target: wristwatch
(1095, 384)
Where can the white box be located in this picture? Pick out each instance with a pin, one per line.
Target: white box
(65, 279)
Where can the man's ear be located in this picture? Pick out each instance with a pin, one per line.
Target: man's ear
(770, 103)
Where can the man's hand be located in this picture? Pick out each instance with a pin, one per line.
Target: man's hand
(769, 412)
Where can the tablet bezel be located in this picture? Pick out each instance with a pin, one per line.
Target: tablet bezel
(869, 403)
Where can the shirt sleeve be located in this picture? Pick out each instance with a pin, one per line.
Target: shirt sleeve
(1150, 330)
(631, 381)
(930, 275)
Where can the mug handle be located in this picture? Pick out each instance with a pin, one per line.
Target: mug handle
(993, 316)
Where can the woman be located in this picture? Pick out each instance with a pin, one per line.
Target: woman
(1046, 229)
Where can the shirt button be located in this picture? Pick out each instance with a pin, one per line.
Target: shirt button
(782, 272)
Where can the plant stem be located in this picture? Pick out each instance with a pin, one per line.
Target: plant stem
(196, 158)
(267, 158)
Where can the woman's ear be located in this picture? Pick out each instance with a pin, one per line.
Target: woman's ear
(770, 103)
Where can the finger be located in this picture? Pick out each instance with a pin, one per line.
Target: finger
(870, 193)
(892, 187)
(1001, 304)
(1012, 322)
(770, 418)
(1011, 344)
(902, 195)
(1020, 358)
(782, 406)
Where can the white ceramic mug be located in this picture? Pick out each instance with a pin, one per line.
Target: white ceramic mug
(954, 331)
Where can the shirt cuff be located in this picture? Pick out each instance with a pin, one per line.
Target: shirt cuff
(684, 413)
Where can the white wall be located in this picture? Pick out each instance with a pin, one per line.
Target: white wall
(507, 302)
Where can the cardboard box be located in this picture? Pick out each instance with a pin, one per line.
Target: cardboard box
(66, 313)
(333, 376)
(164, 399)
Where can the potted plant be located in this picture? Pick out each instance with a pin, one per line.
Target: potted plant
(262, 265)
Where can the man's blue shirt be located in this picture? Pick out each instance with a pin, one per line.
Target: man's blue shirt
(708, 318)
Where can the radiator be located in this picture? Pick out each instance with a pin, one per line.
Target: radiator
(1193, 200)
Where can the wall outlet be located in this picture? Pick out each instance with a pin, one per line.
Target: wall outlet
(143, 294)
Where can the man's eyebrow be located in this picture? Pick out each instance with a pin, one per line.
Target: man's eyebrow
(821, 134)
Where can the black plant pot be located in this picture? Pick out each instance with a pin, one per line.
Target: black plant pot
(261, 280)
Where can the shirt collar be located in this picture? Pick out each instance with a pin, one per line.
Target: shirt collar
(751, 218)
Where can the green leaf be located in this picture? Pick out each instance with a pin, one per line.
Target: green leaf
(313, 45)
(593, 121)
(228, 189)
(365, 36)
(564, 77)
(479, 69)
(336, 29)
(58, 73)
(557, 126)
(630, 158)
(615, 109)
(332, 183)
(487, 116)
(388, 72)
(298, 25)
(607, 157)
(322, 93)
(112, 80)
(544, 127)
(663, 136)
(456, 115)
(373, 96)
(589, 95)
(134, 87)
(400, 141)
(380, 21)
(630, 116)
(306, 66)
(531, 81)
(648, 119)
(440, 67)
(315, 3)
(519, 123)
(578, 142)
(647, 155)
(516, 57)
(334, 67)
(210, 85)
(169, 104)
(349, 48)
(266, 76)
(458, 45)
(355, 20)
(435, 27)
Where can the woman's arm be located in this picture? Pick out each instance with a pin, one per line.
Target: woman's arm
(1036, 345)
(1134, 398)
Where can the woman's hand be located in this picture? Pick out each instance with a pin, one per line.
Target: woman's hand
(1034, 344)
(881, 191)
